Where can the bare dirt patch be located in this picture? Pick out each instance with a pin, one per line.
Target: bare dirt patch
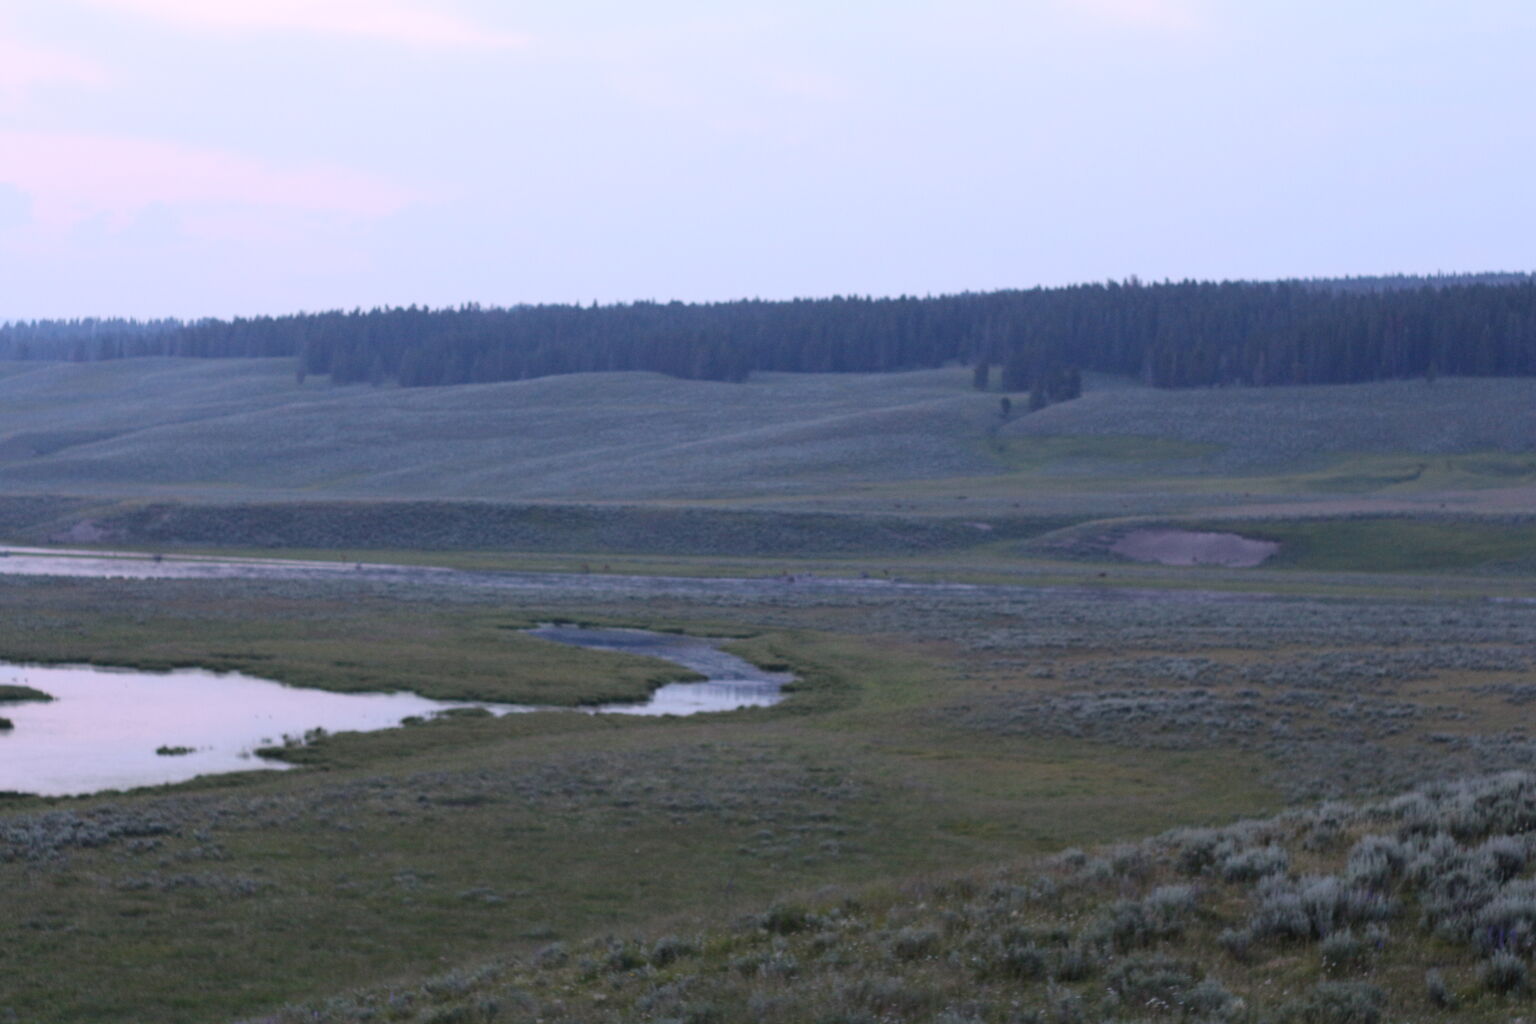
(1191, 547)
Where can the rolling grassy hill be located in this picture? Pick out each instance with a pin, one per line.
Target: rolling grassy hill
(912, 445)
(247, 427)
(1254, 430)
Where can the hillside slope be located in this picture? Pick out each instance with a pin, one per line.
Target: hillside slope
(154, 425)
(245, 430)
(1413, 909)
(1267, 429)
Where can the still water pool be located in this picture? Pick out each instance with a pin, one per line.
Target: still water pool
(105, 725)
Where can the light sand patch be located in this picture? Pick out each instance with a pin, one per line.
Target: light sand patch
(1191, 547)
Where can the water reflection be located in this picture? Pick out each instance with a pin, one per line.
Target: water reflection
(138, 565)
(731, 682)
(105, 725)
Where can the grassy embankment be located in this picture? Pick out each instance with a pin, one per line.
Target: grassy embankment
(1437, 549)
(464, 838)
(1414, 909)
(345, 646)
(936, 731)
(1398, 544)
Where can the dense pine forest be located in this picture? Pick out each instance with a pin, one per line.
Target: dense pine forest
(1188, 334)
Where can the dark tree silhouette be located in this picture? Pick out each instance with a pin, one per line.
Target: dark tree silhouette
(1184, 334)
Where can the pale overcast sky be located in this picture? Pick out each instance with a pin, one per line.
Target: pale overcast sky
(213, 157)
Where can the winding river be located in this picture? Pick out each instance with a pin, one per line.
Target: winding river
(104, 730)
(112, 729)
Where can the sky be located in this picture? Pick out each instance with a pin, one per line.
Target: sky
(235, 157)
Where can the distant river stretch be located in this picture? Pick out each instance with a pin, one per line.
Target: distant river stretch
(140, 566)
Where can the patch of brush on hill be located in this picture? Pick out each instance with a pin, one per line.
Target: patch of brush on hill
(474, 526)
(32, 516)
(1419, 908)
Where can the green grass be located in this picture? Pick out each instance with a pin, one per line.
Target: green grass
(1274, 430)
(393, 853)
(348, 645)
(393, 856)
(1402, 475)
(1395, 544)
(206, 430)
(211, 427)
(1179, 927)
(590, 530)
(1086, 452)
(931, 731)
(17, 694)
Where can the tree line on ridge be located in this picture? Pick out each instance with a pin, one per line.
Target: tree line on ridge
(1186, 334)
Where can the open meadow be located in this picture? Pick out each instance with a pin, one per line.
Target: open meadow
(1018, 778)
(767, 512)
(937, 732)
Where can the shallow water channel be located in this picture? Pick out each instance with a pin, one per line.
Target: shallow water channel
(105, 725)
(17, 561)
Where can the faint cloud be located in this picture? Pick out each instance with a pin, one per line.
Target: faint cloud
(72, 179)
(248, 225)
(25, 66)
(1161, 15)
(398, 21)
